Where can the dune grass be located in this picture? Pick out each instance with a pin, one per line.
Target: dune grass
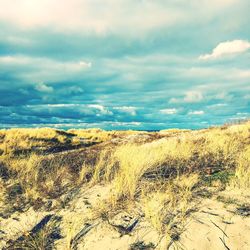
(38, 238)
(241, 178)
(160, 175)
(204, 153)
(13, 141)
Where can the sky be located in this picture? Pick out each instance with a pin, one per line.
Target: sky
(124, 64)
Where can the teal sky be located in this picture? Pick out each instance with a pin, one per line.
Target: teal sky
(124, 64)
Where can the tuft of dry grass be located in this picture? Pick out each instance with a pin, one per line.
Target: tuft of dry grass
(127, 164)
(166, 206)
(3, 192)
(242, 172)
(38, 175)
(38, 238)
(94, 134)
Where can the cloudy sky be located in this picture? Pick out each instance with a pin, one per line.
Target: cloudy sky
(124, 64)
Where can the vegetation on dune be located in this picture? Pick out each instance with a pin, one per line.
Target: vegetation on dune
(241, 178)
(16, 141)
(24, 141)
(204, 152)
(159, 174)
(162, 175)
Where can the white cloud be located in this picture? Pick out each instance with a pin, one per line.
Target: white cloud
(217, 105)
(84, 108)
(196, 112)
(43, 69)
(89, 15)
(97, 106)
(238, 118)
(125, 124)
(242, 73)
(174, 100)
(227, 48)
(241, 113)
(44, 63)
(61, 105)
(247, 97)
(103, 110)
(42, 87)
(75, 90)
(14, 60)
(127, 109)
(192, 96)
(169, 111)
(118, 16)
(85, 64)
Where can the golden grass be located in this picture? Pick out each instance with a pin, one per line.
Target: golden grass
(160, 175)
(200, 152)
(3, 193)
(40, 240)
(161, 206)
(70, 231)
(242, 172)
(39, 176)
(127, 163)
(21, 140)
(97, 135)
(24, 140)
